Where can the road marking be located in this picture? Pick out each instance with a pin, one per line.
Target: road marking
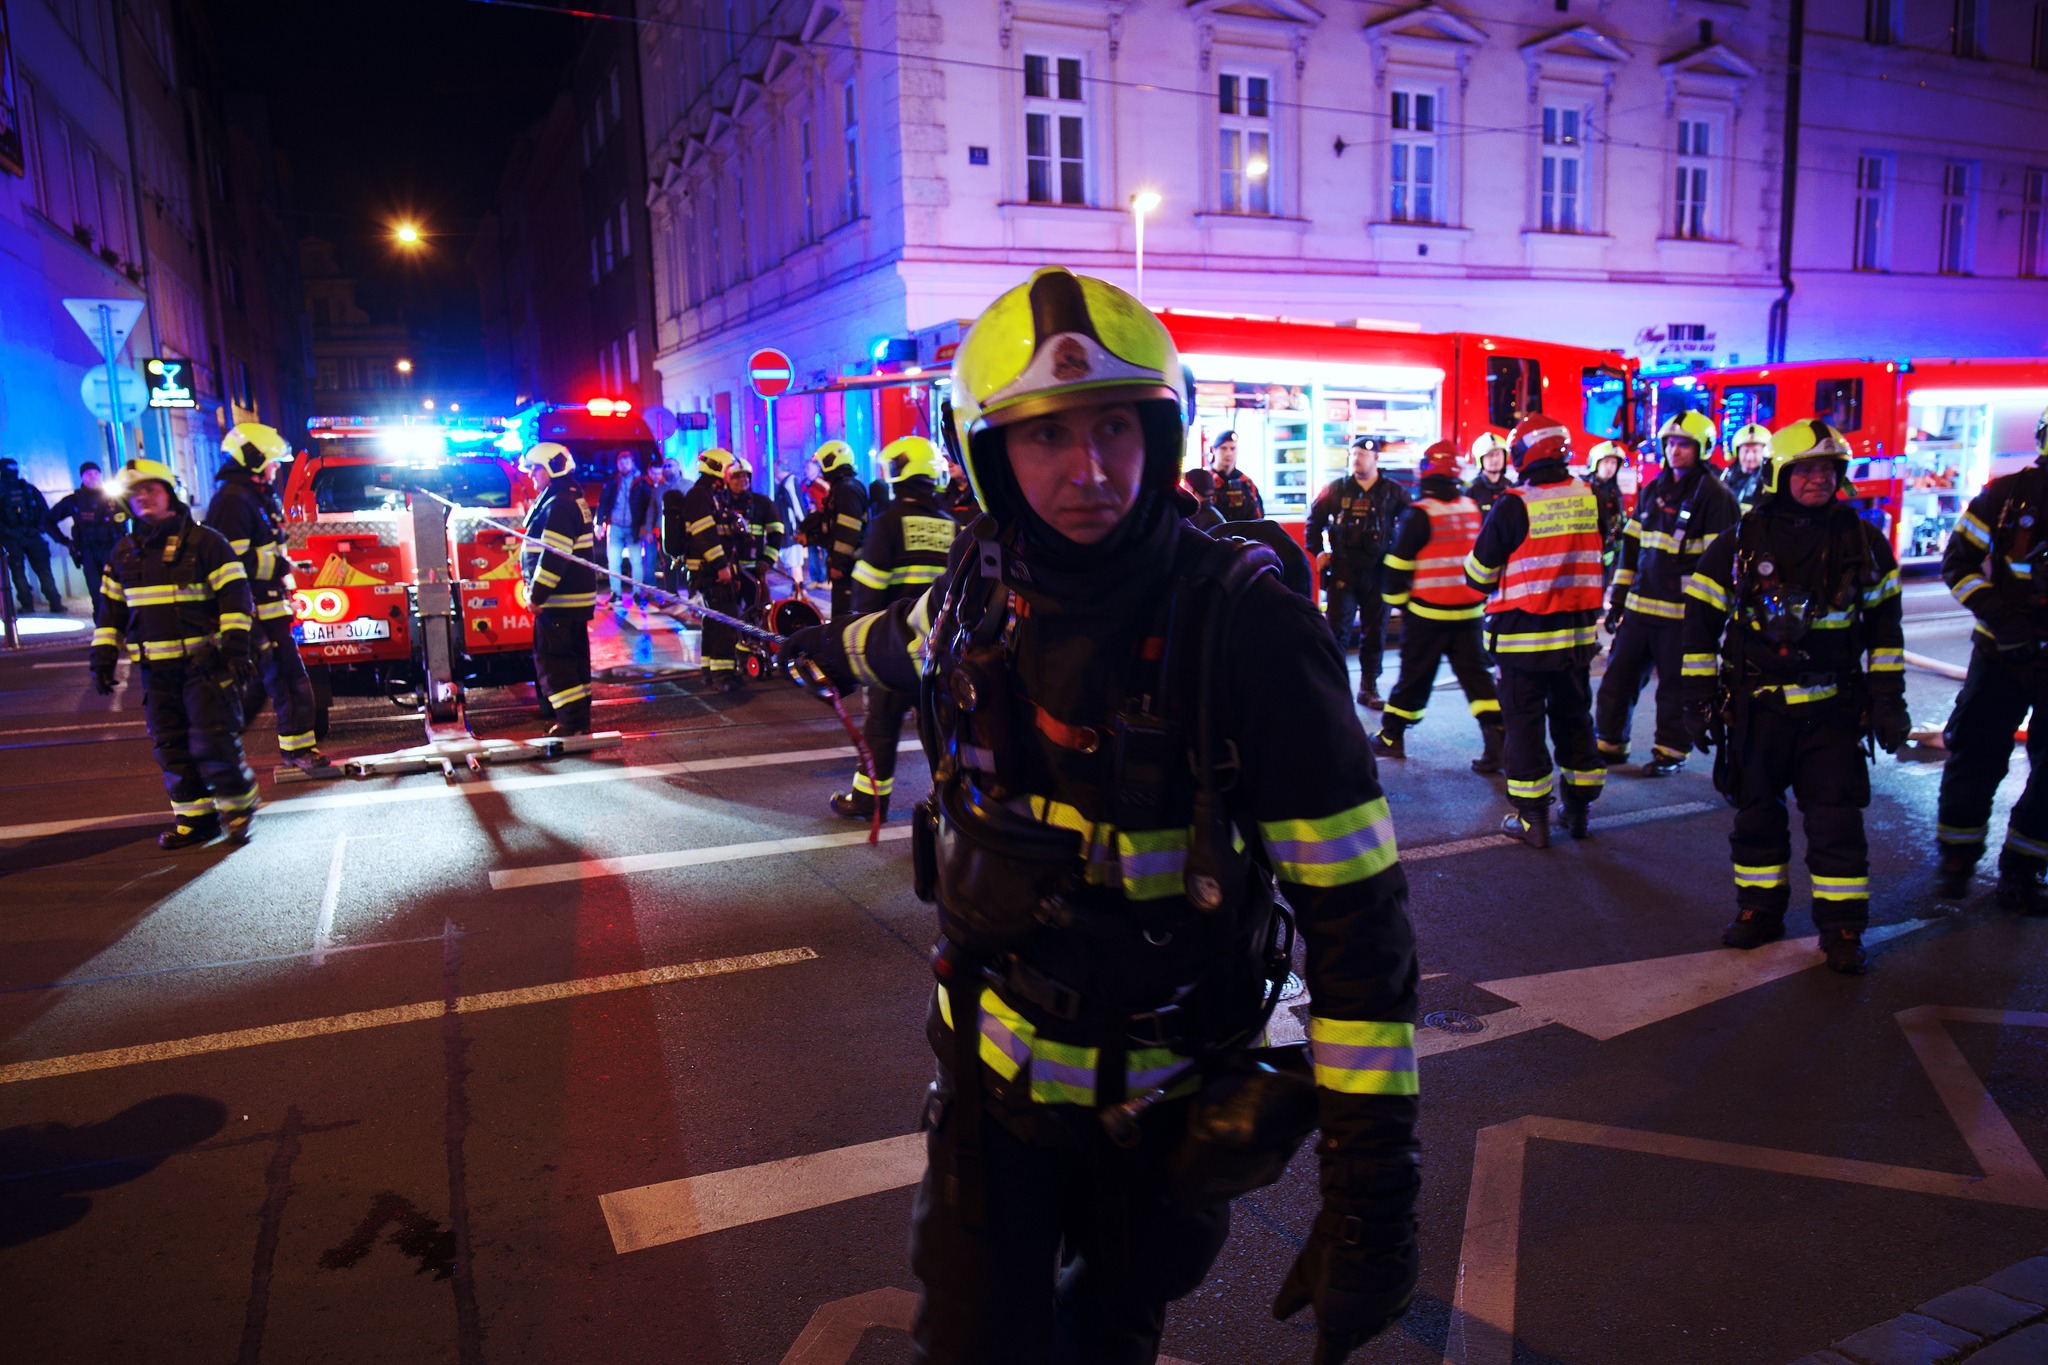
(1482, 1330)
(396, 1014)
(549, 873)
(490, 786)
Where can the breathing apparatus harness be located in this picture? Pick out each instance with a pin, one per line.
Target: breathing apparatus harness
(2023, 541)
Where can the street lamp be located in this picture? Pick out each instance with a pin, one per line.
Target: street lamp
(428, 405)
(405, 367)
(1142, 203)
(406, 234)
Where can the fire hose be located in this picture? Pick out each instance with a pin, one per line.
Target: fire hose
(806, 673)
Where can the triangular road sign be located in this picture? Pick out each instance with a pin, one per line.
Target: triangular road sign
(122, 313)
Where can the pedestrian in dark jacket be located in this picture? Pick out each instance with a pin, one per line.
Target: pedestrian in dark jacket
(23, 510)
(97, 524)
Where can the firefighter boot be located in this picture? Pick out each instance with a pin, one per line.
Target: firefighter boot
(2019, 890)
(1369, 696)
(1844, 948)
(190, 833)
(1490, 736)
(1575, 818)
(1952, 876)
(305, 759)
(1753, 927)
(237, 825)
(1664, 763)
(857, 805)
(1613, 755)
(1531, 825)
(1387, 743)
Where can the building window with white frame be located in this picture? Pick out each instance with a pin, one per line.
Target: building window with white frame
(1956, 218)
(2033, 228)
(850, 110)
(1415, 156)
(1873, 215)
(1562, 191)
(1970, 28)
(1244, 120)
(1881, 22)
(1055, 130)
(743, 241)
(1692, 194)
(808, 168)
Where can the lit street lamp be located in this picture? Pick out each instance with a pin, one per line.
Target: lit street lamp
(405, 367)
(1142, 203)
(406, 234)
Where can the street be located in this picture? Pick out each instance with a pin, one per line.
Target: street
(621, 1056)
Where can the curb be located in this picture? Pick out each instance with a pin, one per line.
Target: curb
(2000, 1320)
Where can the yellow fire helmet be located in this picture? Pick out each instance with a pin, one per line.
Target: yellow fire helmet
(1807, 439)
(552, 456)
(715, 461)
(255, 446)
(833, 455)
(739, 465)
(912, 457)
(1605, 450)
(1755, 434)
(141, 470)
(1696, 427)
(1054, 341)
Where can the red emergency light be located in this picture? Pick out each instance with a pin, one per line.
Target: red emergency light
(608, 407)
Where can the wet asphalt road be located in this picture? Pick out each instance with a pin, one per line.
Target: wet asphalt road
(363, 1171)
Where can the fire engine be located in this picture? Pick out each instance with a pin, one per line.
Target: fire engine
(378, 568)
(596, 432)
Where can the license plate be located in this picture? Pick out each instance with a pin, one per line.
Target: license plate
(361, 628)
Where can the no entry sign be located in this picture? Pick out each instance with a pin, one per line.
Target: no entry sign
(771, 372)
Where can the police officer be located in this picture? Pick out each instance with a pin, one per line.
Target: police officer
(1236, 496)
(1779, 617)
(1358, 513)
(844, 521)
(1603, 476)
(713, 549)
(1994, 566)
(1425, 578)
(1490, 453)
(563, 590)
(904, 554)
(175, 594)
(1745, 478)
(23, 512)
(762, 549)
(245, 510)
(1079, 825)
(1678, 514)
(1538, 555)
(97, 524)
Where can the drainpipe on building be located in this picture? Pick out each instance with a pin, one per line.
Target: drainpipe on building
(1788, 195)
(163, 435)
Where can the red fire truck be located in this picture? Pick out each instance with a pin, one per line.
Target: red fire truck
(353, 541)
(1928, 434)
(596, 432)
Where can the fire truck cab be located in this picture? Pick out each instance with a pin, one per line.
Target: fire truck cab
(352, 538)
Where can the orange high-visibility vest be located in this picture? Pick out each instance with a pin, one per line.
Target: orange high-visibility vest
(1557, 568)
(1440, 569)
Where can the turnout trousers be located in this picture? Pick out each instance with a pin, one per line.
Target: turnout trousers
(1819, 756)
(882, 728)
(561, 665)
(195, 723)
(94, 567)
(1994, 702)
(1425, 643)
(719, 643)
(1643, 644)
(282, 677)
(1563, 698)
(1355, 593)
(1079, 1253)
(842, 598)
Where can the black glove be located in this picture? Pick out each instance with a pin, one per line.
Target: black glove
(241, 667)
(103, 679)
(1890, 722)
(1614, 614)
(1359, 1267)
(1699, 723)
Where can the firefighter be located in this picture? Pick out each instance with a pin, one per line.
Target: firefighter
(1490, 454)
(98, 522)
(844, 521)
(1538, 555)
(1678, 514)
(1425, 578)
(1779, 618)
(245, 510)
(762, 550)
(1993, 566)
(1358, 512)
(1745, 478)
(178, 598)
(563, 590)
(713, 549)
(957, 497)
(904, 553)
(1236, 496)
(1068, 1198)
(1603, 476)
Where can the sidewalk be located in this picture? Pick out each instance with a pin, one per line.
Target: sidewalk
(2000, 1320)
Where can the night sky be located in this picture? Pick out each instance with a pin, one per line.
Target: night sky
(397, 108)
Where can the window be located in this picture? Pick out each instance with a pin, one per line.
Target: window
(1839, 403)
(1881, 21)
(1955, 218)
(596, 274)
(1606, 394)
(1968, 35)
(633, 354)
(851, 111)
(732, 29)
(1742, 404)
(1695, 150)
(1245, 151)
(1055, 131)
(1514, 389)
(2033, 206)
(610, 245)
(1564, 168)
(1873, 188)
(714, 272)
(231, 276)
(1414, 157)
(326, 375)
(615, 94)
(809, 170)
(2041, 37)
(742, 241)
(625, 249)
(618, 371)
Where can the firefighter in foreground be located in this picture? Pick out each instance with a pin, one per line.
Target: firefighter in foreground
(844, 520)
(903, 555)
(1440, 610)
(1359, 512)
(1538, 556)
(709, 534)
(1678, 515)
(1994, 566)
(1103, 885)
(245, 510)
(178, 598)
(563, 590)
(1779, 619)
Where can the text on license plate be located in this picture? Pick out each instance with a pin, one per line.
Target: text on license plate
(361, 628)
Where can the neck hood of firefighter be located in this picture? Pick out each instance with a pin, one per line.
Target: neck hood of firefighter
(1443, 487)
(1546, 471)
(1125, 566)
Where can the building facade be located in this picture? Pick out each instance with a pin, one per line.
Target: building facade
(824, 175)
